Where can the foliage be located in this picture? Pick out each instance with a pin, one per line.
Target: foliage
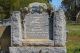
(5, 8)
(11, 5)
(17, 4)
(71, 7)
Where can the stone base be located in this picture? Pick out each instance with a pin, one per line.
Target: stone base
(37, 42)
(37, 50)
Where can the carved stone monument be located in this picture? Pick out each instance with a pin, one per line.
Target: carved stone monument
(38, 33)
(37, 26)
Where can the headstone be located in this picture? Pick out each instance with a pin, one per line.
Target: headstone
(37, 26)
(36, 33)
(36, 30)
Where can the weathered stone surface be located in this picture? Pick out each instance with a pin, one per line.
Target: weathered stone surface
(59, 28)
(38, 4)
(16, 30)
(36, 26)
(37, 42)
(37, 50)
(5, 22)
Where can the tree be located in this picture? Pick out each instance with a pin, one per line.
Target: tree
(72, 8)
(13, 5)
(5, 4)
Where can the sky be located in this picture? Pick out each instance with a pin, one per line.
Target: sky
(56, 4)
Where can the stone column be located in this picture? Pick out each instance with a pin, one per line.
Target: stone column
(16, 29)
(59, 28)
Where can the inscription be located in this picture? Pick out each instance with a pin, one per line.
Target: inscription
(37, 25)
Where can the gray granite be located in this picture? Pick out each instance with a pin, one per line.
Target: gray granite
(5, 22)
(16, 30)
(36, 26)
(37, 49)
(59, 28)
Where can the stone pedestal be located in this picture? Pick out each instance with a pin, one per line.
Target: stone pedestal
(37, 49)
(59, 28)
(16, 29)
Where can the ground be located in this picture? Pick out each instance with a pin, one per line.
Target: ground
(1, 31)
(4, 37)
(73, 38)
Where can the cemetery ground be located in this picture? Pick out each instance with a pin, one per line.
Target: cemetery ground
(73, 38)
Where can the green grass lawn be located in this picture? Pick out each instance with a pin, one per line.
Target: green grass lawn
(73, 39)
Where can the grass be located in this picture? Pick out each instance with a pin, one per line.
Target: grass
(73, 39)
